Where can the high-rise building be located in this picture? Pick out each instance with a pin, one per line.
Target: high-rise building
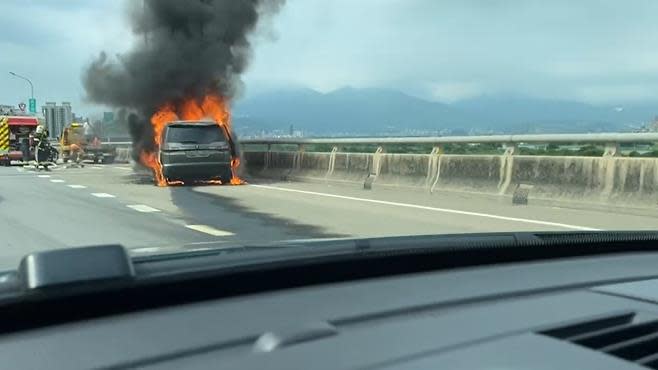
(57, 117)
(108, 117)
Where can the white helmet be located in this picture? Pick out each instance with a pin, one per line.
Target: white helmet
(40, 129)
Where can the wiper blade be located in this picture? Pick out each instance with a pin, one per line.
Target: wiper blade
(89, 266)
(75, 266)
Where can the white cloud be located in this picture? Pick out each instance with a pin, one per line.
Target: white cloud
(449, 92)
(558, 49)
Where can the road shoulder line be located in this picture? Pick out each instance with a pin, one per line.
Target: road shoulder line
(427, 208)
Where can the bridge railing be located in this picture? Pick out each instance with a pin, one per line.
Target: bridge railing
(611, 141)
(504, 139)
(598, 176)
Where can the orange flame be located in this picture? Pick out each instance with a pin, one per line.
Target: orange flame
(211, 107)
(151, 160)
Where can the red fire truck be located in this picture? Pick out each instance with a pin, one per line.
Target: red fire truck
(15, 133)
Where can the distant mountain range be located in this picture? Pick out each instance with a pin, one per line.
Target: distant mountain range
(382, 111)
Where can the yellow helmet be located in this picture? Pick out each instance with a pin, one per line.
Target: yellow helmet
(40, 129)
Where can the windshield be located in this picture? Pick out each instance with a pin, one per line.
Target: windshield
(194, 134)
(337, 119)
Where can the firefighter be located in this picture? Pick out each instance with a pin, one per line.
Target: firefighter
(41, 144)
(41, 133)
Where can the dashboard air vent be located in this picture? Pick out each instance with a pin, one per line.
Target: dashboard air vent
(629, 335)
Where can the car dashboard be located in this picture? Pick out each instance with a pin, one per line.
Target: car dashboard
(590, 312)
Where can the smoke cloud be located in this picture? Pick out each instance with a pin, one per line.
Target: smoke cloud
(184, 49)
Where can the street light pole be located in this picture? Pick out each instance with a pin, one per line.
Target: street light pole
(28, 81)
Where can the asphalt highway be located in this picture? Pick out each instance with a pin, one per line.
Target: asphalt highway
(105, 204)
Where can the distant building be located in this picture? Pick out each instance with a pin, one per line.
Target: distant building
(57, 117)
(108, 117)
(10, 110)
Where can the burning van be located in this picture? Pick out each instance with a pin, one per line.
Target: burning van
(193, 142)
(196, 151)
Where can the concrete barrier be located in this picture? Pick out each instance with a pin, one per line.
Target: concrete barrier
(598, 179)
(303, 166)
(124, 155)
(592, 179)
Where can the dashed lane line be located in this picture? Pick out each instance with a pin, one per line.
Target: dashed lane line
(142, 208)
(57, 181)
(145, 249)
(209, 230)
(103, 195)
(434, 209)
(43, 176)
(77, 186)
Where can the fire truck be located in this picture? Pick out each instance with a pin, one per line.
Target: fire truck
(75, 143)
(15, 136)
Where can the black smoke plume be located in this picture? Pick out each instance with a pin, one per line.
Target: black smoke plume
(185, 48)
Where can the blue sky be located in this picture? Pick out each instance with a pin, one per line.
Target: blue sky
(593, 51)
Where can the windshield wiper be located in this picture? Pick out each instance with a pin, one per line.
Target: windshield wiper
(94, 267)
(104, 280)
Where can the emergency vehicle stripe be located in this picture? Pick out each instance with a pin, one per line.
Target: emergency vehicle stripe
(4, 133)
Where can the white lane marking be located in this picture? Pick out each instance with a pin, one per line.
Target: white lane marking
(218, 241)
(142, 208)
(435, 209)
(124, 168)
(43, 176)
(103, 195)
(209, 230)
(146, 249)
(57, 180)
(96, 167)
(77, 186)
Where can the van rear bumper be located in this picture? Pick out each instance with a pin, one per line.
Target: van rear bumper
(206, 170)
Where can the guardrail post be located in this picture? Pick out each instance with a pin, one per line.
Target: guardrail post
(268, 157)
(433, 168)
(510, 149)
(297, 159)
(374, 171)
(332, 161)
(506, 167)
(611, 150)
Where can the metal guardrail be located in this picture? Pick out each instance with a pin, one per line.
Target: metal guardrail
(603, 138)
(600, 138)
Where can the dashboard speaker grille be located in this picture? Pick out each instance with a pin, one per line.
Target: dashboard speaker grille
(627, 335)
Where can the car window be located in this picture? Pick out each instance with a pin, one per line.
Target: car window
(195, 135)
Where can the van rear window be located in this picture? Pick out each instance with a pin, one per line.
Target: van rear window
(202, 134)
